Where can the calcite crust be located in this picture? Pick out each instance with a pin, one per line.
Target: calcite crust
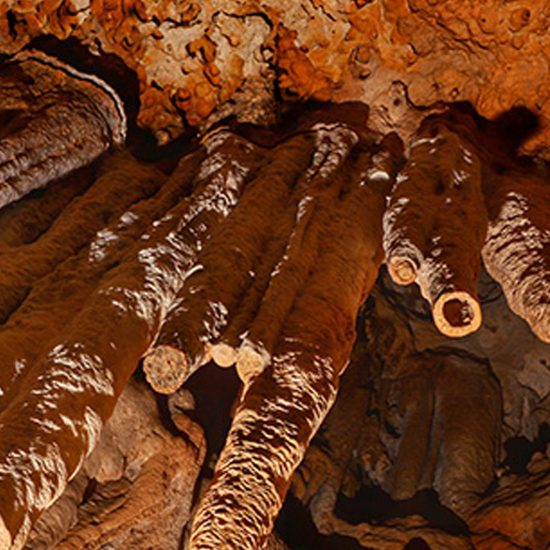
(208, 60)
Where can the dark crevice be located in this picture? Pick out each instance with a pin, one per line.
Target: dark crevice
(417, 544)
(108, 67)
(372, 504)
(519, 450)
(214, 390)
(12, 23)
(295, 526)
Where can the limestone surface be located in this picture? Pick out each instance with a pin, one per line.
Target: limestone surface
(208, 60)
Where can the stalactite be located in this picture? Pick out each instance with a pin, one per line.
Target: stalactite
(283, 405)
(183, 337)
(211, 295)
(23, 222)
(327, 464)
(258, 250)
(100, 348)
(48, 308)
(435, 225)
(120, 183)
(62, 120)
(319, 190)
(517, 249)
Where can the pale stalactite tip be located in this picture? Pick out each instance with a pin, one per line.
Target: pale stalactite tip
(402, 271)
(223, 354)
(166, 369)
(251, 361)
(457, 314)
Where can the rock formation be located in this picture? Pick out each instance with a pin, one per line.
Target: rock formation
(55, 119)
(212, 59)
(262, 248)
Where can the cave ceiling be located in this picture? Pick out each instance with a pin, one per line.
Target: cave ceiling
(209, 60)
(347, 202)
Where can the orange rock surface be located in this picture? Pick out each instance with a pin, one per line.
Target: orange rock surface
(207, 60)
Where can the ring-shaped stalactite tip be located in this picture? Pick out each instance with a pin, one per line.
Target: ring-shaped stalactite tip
(457, 314)
(223, 354)
(402, 270)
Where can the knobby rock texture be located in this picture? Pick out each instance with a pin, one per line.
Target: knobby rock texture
(208, 60)
(370, 405)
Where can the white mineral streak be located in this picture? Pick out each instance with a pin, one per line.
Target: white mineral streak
(215, 140)
(460, 176)
(466, 155)
(214, 321)
(128, 218)
(91, 428)
(98, 247)
(333, 143)
(69, 423)
(302, 207)
(264, 447)
(425, 141)
(376, 174)
(514, 255)
(20, 366)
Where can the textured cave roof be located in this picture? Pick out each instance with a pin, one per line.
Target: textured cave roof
(208, 60)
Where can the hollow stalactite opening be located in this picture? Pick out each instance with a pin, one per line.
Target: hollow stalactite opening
(457, 314)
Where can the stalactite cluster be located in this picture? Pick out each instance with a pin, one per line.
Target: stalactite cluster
(449, 207)
(257, 251)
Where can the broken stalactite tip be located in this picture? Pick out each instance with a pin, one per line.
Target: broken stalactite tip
(166, 369)
(251, 361)
(223, 354)
(402, 271)
(457, 314)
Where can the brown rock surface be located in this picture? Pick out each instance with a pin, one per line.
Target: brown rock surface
(211, 59)
(139, 488)
(258, 249)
